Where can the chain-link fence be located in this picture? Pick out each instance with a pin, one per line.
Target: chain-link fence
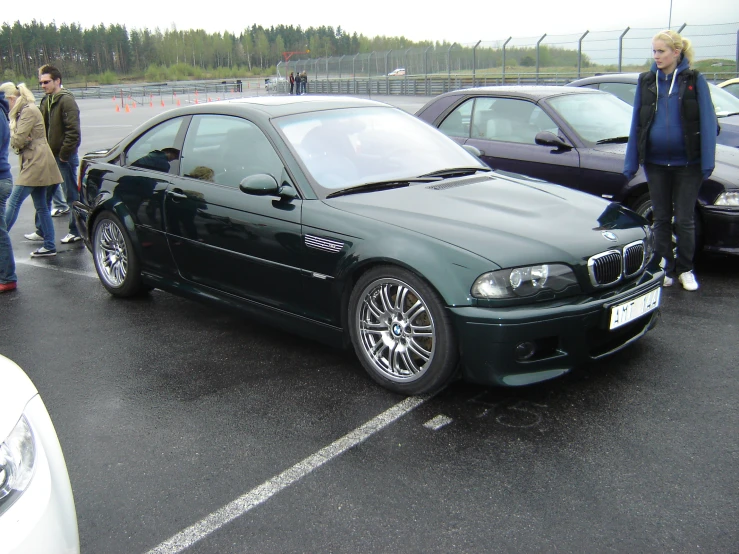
(547, 59)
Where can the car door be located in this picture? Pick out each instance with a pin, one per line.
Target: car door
(226, 239)
(147, 167)
(504, 130)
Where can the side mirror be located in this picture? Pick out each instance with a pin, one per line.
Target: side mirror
(263, 184)
(547, 138)
(473, 150)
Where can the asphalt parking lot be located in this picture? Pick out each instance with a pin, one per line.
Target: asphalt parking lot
(189, 429)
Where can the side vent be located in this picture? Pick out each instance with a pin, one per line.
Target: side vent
(325, 245)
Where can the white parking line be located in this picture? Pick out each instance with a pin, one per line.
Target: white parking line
(438, 422)
(44, 265)
(269, 488)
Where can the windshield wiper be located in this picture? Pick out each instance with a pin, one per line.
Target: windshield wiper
(726, 114)
(456, 172)
(382, 185)
(614, 140)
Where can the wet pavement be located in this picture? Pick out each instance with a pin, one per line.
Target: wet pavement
(186, 426)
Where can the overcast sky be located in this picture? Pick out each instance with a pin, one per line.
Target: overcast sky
(472, 21)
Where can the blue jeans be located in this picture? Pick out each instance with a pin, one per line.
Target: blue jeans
(674, 192)
(59, 200)
(7, 261)
(41, 202)
(68, 170)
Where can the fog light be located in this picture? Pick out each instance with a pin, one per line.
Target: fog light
(525, 350)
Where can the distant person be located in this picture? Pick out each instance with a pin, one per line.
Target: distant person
(8, 278)
(292, 82)
(304, 82)
(673, 135)
(39, 172)
(298, 80)
(61, 115)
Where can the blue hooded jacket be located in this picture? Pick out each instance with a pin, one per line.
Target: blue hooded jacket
(666, 145)
(4, 139)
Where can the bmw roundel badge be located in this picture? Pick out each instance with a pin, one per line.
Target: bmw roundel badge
(610, 236)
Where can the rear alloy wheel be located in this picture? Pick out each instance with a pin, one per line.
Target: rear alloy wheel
(401, 332)
(115, 259)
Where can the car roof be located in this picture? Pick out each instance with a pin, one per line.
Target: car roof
(531, 92)
(276, 106)
(629, 78)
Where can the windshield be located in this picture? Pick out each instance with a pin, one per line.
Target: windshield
(724, 102)
(348, 147)
(594, 117)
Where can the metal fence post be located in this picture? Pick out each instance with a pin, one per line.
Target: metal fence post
(621, 47)
(387, 81)
(579, 53)
(426, 70)
(538, 42)
(449, 66)
(502, 81)
(474, 62)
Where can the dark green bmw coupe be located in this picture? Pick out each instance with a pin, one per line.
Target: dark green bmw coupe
(353, 222)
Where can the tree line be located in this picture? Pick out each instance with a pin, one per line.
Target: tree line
(115, 51)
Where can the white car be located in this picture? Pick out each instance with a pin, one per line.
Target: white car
(397, 72)
(37, 511)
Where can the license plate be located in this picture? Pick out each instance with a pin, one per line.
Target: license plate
(633, 309)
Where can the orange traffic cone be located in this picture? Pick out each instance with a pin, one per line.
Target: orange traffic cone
(162, 102)
(178, 101)
(128, 110)
(117, 108)
(151, 104)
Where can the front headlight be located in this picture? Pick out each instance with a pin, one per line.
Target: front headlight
(648, 243)
(727, 199)
(523, 281)
(17, 461)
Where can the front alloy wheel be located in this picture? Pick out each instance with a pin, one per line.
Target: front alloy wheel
(401, 332)
(115, 260)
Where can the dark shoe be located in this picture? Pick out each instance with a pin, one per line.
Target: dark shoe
(43, 253)
(7, 287)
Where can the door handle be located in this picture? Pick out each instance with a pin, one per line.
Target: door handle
(177, 193)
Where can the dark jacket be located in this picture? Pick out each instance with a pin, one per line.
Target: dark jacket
(62, 119)
(675, 129)
(4, 138)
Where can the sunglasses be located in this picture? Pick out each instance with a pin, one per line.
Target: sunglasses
(44, 82)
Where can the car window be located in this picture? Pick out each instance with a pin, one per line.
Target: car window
(594, 117)
(509, 120)
(226, 149)
(732, 89)
(624, 91)
(457, 123)
(155, 149)
(723, 101)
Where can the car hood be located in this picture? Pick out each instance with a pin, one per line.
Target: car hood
(18, 390)
(510, 222)
(729, 131)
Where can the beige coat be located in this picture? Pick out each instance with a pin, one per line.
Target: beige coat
(38, 166)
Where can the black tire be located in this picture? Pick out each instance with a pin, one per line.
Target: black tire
(401, 332)
(643, 206)
(115, 259)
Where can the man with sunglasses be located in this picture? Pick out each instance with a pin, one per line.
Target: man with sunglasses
(62, 119)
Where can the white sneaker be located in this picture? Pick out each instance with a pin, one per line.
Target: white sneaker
(58, 212)
(668, 281)
(34, 237)
(687, 280)
(71, 238)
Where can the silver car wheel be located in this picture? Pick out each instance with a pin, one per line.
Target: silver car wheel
(111, 254)
(396, 330)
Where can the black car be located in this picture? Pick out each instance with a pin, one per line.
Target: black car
(577, 137)
(623, 85)
(353, 222)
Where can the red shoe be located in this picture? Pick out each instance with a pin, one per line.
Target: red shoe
(7, 287)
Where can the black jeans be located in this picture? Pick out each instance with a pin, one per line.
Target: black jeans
(674, 191)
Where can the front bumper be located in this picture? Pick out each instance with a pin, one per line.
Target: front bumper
(720, 229)
(565, 335)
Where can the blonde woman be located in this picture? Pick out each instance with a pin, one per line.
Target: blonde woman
(38, 168)
(673, 135)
